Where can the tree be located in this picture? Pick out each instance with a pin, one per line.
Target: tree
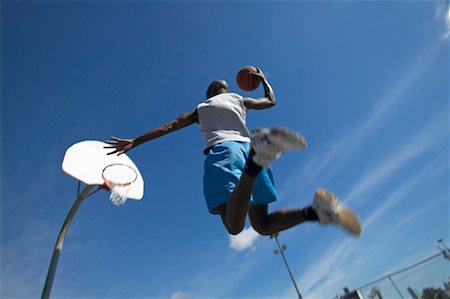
(433, 293)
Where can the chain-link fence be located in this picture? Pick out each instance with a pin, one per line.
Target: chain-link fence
(427, 279)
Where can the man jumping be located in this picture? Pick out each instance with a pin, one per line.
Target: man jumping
(238, 180)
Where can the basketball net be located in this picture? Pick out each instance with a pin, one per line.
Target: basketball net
(118, 178)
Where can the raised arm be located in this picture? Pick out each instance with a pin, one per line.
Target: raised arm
(268, 101)
(121, 146)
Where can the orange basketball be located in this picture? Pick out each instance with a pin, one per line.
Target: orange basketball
(246, 80)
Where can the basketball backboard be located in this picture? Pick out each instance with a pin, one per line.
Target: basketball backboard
(86, 160)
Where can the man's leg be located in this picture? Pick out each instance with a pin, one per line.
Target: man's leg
(326, 209)
(267, 145)
(235, 211)
(269, 224)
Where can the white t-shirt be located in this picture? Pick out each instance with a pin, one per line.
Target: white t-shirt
(222, 118)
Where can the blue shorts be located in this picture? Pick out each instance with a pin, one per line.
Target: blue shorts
(224, 165)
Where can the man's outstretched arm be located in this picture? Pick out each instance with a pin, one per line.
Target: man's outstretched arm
(121, 146)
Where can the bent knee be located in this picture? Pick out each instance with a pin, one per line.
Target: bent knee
(263, 230)
(234, 230)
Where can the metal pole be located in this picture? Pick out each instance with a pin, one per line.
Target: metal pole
(444, 250)
(287, 266)
(60, 242)
(395, 286)
(441, 241)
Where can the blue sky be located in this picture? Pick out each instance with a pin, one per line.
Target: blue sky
(367, 84)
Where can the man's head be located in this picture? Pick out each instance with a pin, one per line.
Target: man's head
(216, 87)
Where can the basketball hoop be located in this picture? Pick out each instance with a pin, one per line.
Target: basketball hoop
(118, 178)
(88, 162)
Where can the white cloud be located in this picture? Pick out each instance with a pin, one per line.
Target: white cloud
(333, 270)
(447, 21)
(342, 146)
(244, 240)
(433, 169)
(443, 13)
(178, 295)
(421, 141)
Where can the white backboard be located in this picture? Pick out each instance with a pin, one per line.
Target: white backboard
(86, 160)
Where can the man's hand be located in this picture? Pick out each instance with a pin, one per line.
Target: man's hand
(268, 100)
(121, 146)
(259, 74)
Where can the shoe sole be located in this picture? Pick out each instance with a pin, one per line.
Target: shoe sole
(279, 140)
(347, 218)
(289, 139)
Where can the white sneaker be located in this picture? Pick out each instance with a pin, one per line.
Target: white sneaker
(331, 211)
(270, 144)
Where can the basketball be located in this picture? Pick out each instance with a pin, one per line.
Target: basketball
(246, 80)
